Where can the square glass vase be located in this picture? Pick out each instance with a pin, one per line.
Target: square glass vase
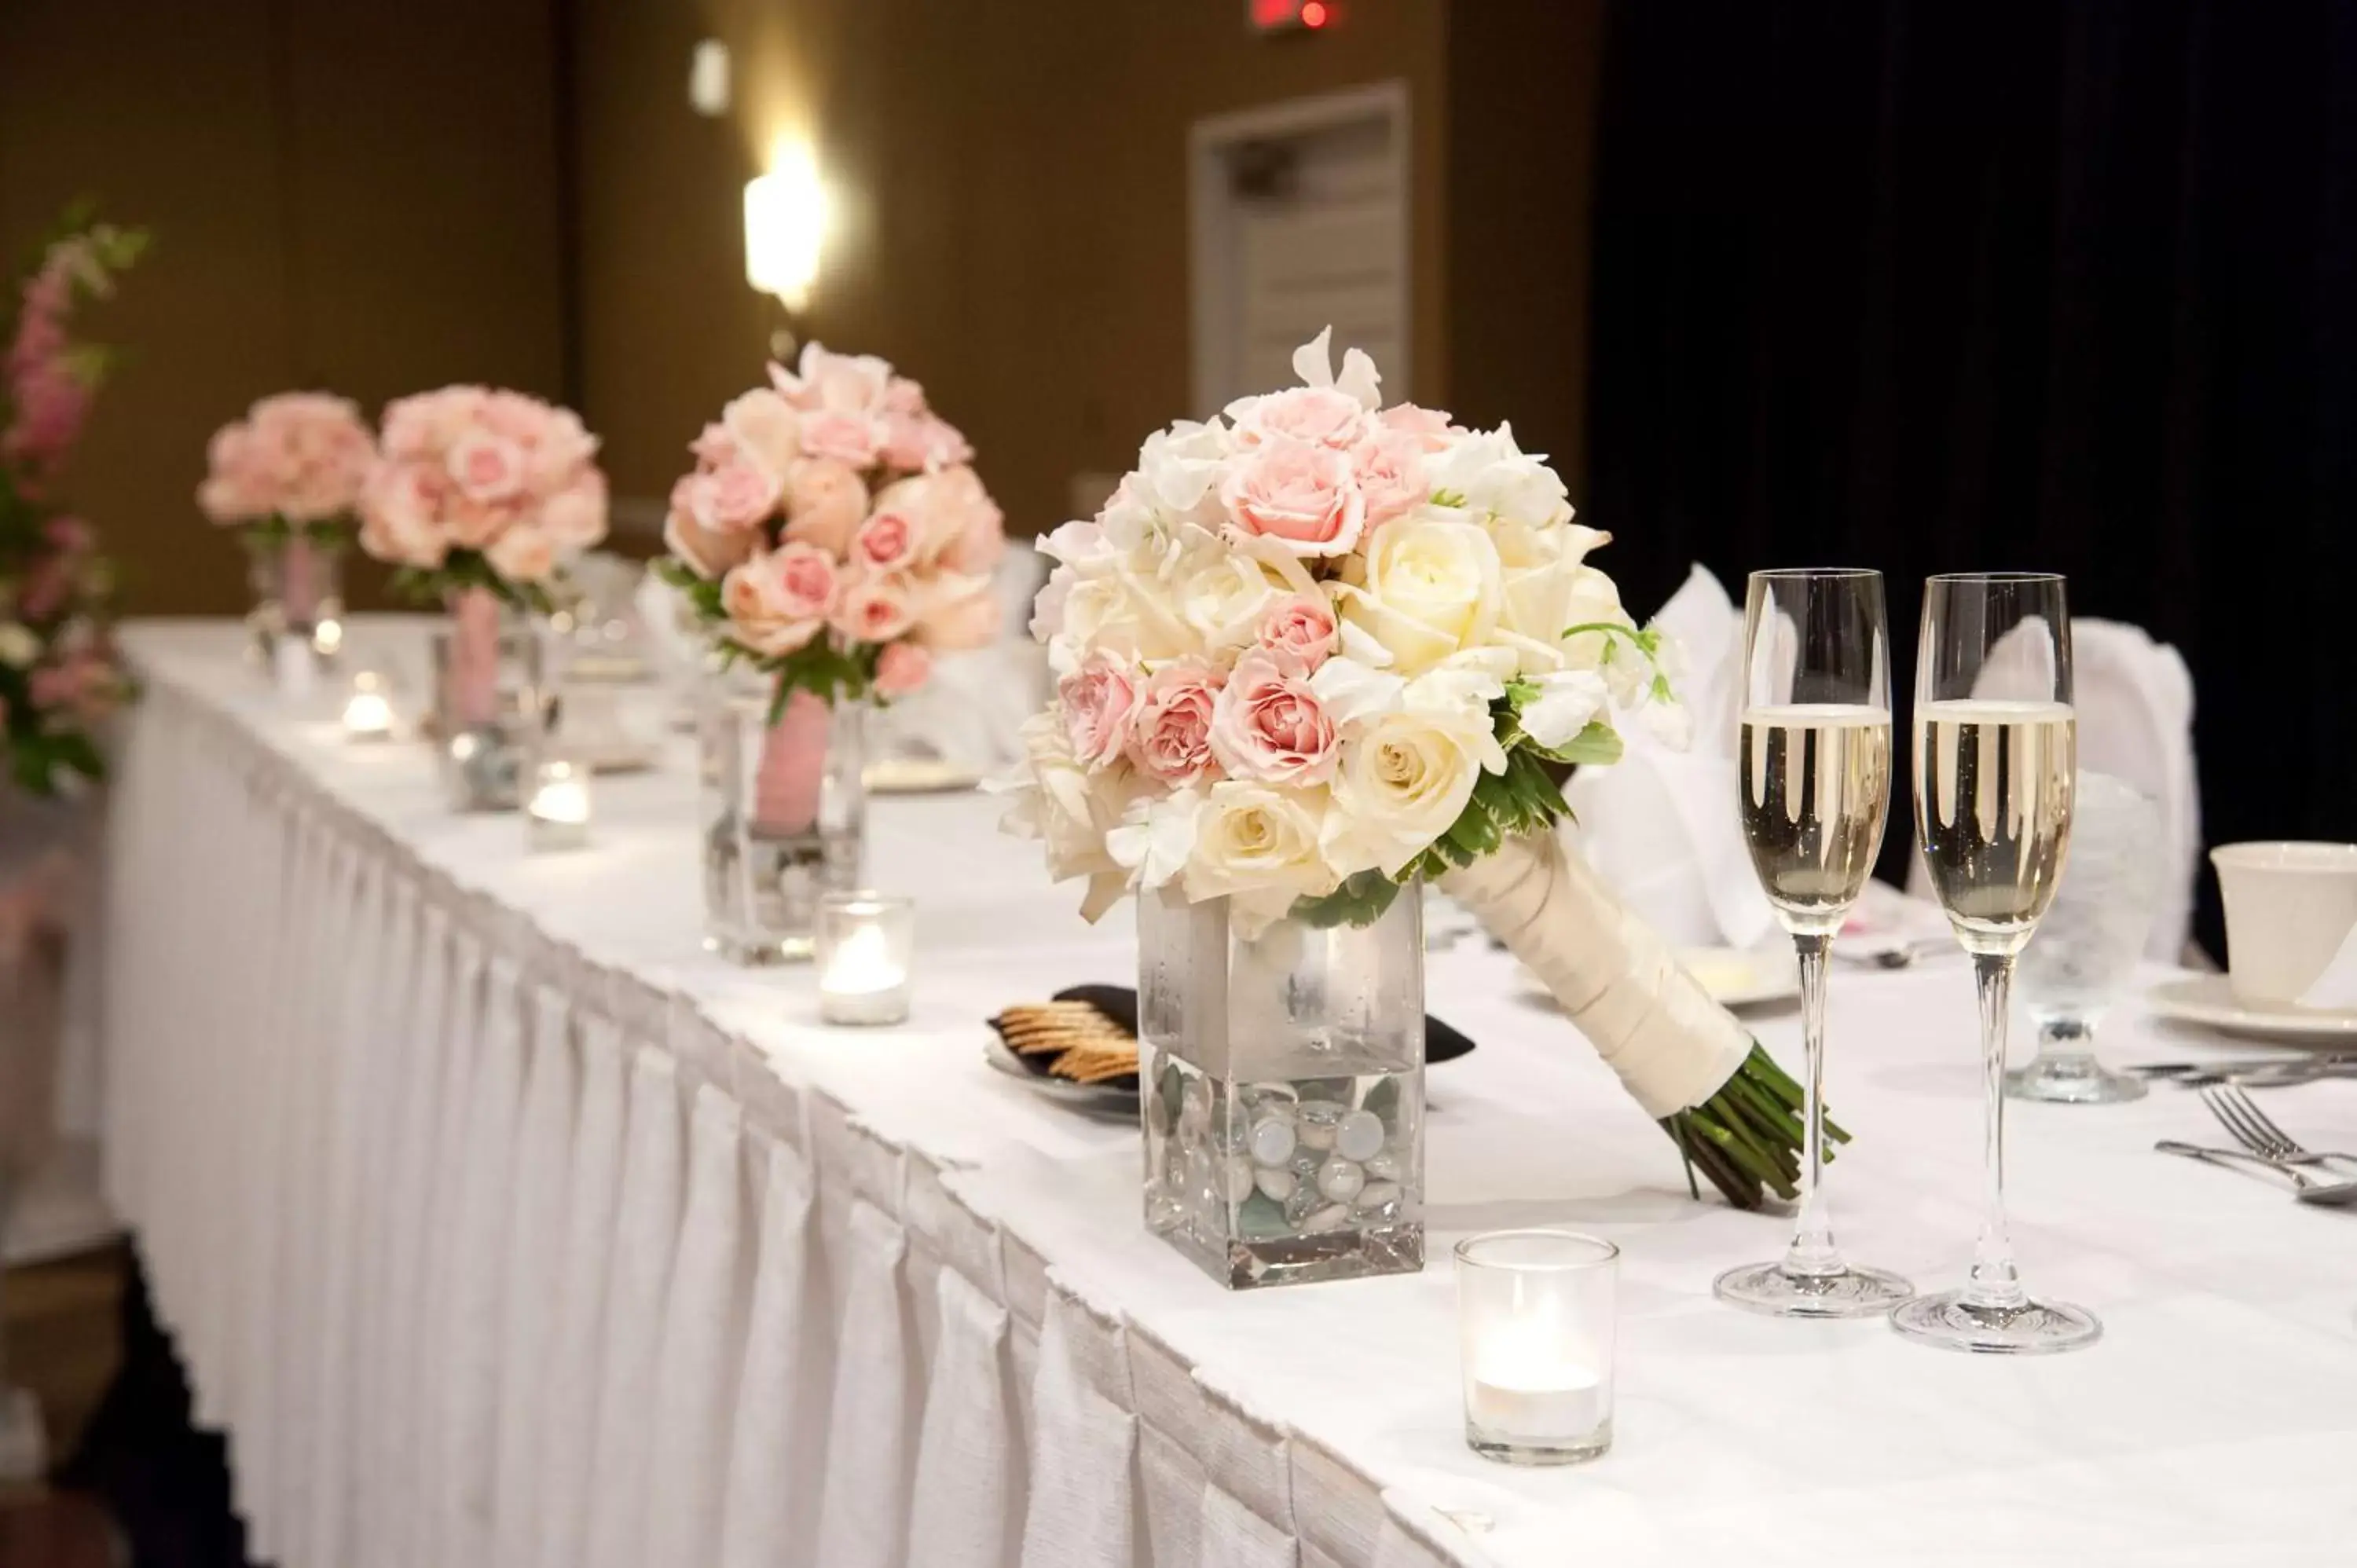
(1281, 1087)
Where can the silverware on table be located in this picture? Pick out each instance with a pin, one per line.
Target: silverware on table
(2256, 1131)
(2304, 1188)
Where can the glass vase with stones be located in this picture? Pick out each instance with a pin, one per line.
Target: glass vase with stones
(488, 698)
(297, 580)
(785, 812)
(1281, 1078)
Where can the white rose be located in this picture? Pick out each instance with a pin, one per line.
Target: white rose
(1427, 588)
(1258, 846)
(18, 646)
(1567, 700)
(1402, 781)
(1069, 810)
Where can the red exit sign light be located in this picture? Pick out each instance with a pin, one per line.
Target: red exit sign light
(1288, 16)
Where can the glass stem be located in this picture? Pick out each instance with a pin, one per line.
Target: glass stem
(1812, 1254)
(1994, 1284)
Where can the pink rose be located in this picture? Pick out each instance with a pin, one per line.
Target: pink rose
(575, 518)
(1431, 428)
(1268, 724)
(850, 439)
(1388, 468)
(1097, 700)
(1300, 625)
(876, 609)
(765, 427)
(707, 555)
(1299, 495)
(886, 541)
(901, 668)
(1323, 416)
(955, 613)
(826, 501)
(922, 441)
(522, 554)
(735, 498)
(776, 602)
(1170, 735)
(487, 467)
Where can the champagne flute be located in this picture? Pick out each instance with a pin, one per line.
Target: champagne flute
(1995, 766)
(1814, 768)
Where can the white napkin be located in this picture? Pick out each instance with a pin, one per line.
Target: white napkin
(871, 1435)
(593, 1188)
(1084, 1503)
(703, 1342)
(1662, 827)
(646, 1237)
(772, 1470)
(966, 1483)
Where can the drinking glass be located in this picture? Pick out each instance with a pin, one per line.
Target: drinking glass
(1813, 766)
(2088, 945)
(1996, 762)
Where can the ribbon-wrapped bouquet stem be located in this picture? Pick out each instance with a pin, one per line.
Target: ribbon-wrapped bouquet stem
(1317, 648)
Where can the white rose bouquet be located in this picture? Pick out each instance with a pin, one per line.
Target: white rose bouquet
(1317, 648)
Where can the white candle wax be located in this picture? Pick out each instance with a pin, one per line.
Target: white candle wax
(1534, 1401)
(562, 800)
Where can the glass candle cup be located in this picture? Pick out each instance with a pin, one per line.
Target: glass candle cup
(863, 945)
(1535, 1313)
(556, 808)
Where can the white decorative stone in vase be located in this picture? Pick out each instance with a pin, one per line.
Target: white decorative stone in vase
(1282, 1090)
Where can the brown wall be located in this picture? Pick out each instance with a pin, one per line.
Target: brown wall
(1014, 185)
(336, 204)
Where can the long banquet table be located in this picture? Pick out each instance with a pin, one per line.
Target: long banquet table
(499, 1224)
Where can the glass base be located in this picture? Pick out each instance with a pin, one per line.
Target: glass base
(1525, 1451)
(2034, 1329)
(2072, 1080)
(1768, 1289)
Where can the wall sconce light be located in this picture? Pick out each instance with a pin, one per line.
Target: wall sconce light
(785, 228)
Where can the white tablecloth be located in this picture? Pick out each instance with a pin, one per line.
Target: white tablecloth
(499, 1224)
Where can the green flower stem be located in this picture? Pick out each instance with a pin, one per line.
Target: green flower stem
(1746, 1137)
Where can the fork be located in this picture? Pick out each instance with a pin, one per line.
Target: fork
(2256, 1131)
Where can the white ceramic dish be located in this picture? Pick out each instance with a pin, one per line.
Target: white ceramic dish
(2207, 1000)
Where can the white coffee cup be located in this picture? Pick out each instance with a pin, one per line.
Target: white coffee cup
(2288, 908)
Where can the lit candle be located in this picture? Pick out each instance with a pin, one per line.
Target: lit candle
(368, 712)
(558, 811)
(863, 942)
(1535, 1310)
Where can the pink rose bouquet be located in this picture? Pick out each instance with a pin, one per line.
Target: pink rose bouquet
(475, 489)
(59, 675)
(833, 533)
(293, 466)
(1319, 647)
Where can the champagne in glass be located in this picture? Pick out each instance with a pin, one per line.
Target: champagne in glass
(1813, 771)
(1996, 765)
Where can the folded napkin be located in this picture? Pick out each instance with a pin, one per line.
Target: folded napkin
(1662, 827)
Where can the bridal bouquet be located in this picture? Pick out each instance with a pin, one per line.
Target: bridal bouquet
(59, 675)
(833, 533)
(1317, 648)
(293, 467)
(482, 489)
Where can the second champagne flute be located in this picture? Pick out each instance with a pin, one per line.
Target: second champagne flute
(1995, 770)
(1814, 765)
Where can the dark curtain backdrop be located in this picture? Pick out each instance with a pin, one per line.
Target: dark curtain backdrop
(2052, 284)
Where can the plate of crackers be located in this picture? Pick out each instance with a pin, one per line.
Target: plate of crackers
(1075, 1048)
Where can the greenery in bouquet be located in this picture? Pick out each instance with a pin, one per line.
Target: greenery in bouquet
(833, 534)
(59, 677)
(1317, 648)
